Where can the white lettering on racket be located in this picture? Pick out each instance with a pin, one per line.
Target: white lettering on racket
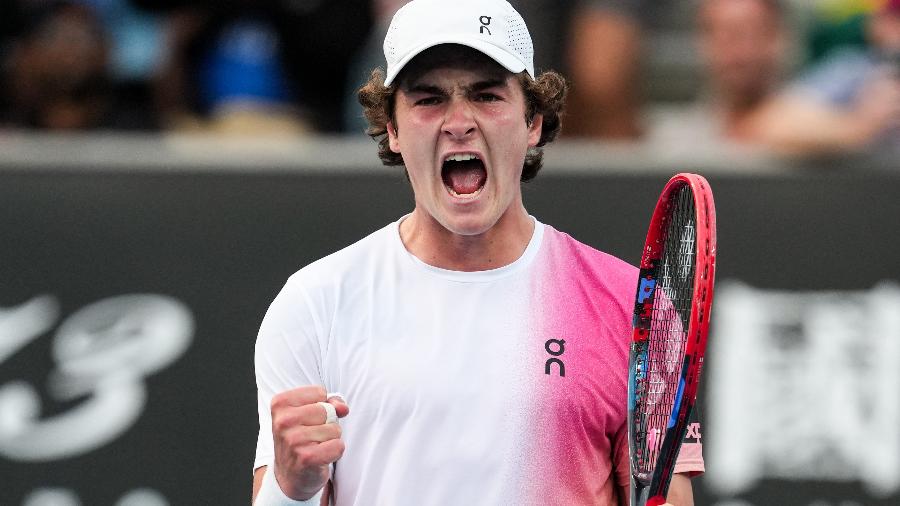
(693, 432)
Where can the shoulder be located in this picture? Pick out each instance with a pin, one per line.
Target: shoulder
(837, 78)
(352, 262)
(576, 257)
(359, 256)
(311, 295)
(601, 280)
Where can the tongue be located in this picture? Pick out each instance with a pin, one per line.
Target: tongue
(465, 177)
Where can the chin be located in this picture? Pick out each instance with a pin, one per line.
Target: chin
(468, 225)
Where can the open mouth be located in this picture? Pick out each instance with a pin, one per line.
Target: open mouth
(464, 174)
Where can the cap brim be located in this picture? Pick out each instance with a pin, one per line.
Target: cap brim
(497, 53)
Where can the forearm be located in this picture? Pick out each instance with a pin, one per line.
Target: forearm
(681, 492)
(800, 127)
(260, 474)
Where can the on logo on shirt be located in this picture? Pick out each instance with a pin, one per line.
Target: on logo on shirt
(556, 348)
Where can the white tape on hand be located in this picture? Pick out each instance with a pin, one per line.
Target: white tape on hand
(330, 412)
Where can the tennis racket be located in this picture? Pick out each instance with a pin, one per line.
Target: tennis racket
(671, 320)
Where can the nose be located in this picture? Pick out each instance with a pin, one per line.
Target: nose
(459, 120)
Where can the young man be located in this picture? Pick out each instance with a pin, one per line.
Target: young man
(484, 354)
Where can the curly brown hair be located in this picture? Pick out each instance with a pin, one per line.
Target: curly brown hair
(545, 95)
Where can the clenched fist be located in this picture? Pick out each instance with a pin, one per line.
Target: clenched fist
(305, 444)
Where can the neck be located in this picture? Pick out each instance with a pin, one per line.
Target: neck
(501, 245)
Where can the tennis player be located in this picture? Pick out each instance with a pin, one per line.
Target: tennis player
(481, 356)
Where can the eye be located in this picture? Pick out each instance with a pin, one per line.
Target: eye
(432, 100)
(487, 97)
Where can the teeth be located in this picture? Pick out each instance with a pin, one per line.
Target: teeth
(461, 157)
(466, 196)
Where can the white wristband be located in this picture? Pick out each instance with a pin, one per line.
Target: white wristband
(270, 494)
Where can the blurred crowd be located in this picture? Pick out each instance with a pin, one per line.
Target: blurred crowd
(801, 77)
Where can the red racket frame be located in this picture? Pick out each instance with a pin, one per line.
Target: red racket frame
(698, 328)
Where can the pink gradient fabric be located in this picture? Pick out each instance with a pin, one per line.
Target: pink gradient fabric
(585, 298)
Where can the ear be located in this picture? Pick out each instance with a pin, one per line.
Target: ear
(393, 138)
(534, 130)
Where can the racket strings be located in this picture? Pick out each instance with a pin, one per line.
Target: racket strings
(669, 323)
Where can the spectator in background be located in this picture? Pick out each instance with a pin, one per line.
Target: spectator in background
(58, 75)
(743, 45)
(259, 66)
(602, 59)
(848, 102)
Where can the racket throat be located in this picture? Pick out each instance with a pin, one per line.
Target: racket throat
(640, 495)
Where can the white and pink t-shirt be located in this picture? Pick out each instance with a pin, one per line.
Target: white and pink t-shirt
(497, 387)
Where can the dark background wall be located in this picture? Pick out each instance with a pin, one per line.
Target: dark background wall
(220, 244)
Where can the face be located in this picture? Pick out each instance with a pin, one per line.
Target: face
(742, 43)
(460, 125)
(68, 50)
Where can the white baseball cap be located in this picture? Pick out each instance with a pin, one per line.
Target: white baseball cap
(490, 26)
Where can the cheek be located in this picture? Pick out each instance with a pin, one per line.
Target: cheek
(511, 126)
(413, 134)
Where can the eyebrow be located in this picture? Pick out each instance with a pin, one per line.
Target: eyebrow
(429, 89)
(489, 83)
(432, 89)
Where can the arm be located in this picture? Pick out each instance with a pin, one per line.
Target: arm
(257, 483)
(305, 444)
(689, 463)
(681, 492)
(802, 125)
(295, 444)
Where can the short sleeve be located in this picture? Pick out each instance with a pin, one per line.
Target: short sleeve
(622, 461)
(690, 456)
(689, 461)
(288, 355)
